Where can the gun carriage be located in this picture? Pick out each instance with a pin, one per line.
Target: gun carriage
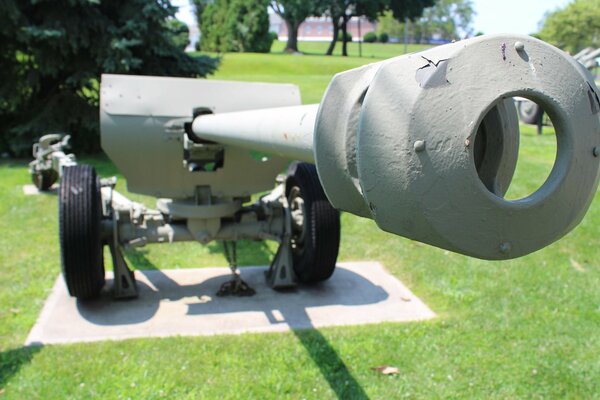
(424, 144)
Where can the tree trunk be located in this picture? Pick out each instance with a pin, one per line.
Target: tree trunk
(344, 37)
(292, 42)
(335, 21)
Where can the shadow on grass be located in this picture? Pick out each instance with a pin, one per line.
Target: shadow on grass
(11, 362)
(331, 366)
(248, 253)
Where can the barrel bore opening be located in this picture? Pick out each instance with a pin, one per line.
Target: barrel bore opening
(514, 158)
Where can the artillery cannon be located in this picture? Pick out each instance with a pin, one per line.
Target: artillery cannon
(50, 160)
(425, 144)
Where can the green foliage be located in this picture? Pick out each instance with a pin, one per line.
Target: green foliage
(294, 12)
(236, 26)
(180, 33)
(341, 11)
(370, 37)
(348, 36)
(387, 23)
(450, 19)
(199, 7)
(384, 37)
(447, 19)
(53, 52)
(574, 27)
(408, 9)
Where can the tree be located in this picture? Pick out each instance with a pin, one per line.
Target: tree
(409, 9)
(294, 12)
(53, 52)
(450, 19)
(390, 25)
(341, 11)
(199, 7)
(574, 27)
(180, 33)
(236, 25)
(334, 11)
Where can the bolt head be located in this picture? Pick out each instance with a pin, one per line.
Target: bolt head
(519, 46)
(419, 145)
(596, 151)
(505, 247)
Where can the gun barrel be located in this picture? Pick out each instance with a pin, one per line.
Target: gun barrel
(424, 144)
(284, 131)
(427, 144)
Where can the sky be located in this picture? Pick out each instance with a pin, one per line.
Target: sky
(493, 16)
(512, 16)
(185, 13)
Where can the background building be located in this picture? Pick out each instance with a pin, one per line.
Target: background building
(320, 28)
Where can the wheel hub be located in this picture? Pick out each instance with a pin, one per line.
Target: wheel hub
(297, 212)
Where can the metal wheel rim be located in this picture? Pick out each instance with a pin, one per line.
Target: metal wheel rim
(298, 219)
(528, 108)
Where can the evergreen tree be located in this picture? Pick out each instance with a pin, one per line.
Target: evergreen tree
(52, 55)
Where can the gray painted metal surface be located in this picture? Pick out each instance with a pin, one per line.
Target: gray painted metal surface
(425, 144)
(49, 154)
(142, 131)
(286, 131)
(399, 145)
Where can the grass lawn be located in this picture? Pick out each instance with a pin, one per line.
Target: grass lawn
(369, 50)
(526, 328)
(311, 71)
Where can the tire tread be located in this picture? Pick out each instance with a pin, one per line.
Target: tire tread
(79, 231)
(320, 255)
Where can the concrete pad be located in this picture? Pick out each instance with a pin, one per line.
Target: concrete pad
(31, 190)
(183, 303)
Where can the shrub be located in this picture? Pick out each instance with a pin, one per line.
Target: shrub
(384, 37)
(370, 37)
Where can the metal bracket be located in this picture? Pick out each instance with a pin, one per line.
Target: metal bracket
(281, 272)
(235, 286)
(125, 286)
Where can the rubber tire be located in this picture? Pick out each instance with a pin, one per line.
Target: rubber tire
(43, 180)
(530, 113)
(80, 216)
(322, 234)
